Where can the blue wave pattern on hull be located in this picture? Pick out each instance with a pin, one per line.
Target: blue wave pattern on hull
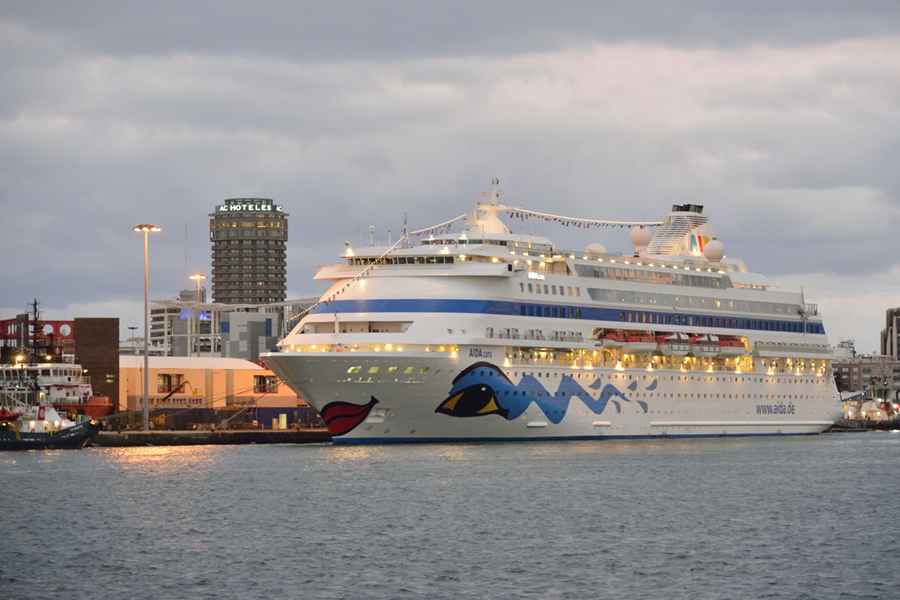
(484, 389)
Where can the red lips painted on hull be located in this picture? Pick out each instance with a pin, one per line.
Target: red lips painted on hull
(341, 417)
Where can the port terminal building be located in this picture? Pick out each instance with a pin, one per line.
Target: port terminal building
(198, 390)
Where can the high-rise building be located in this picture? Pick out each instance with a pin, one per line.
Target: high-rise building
(890, 335)
(249, 259)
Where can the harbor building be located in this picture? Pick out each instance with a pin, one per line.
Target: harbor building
(890, 335)
(205, 390)
(877, 374)
(249, 258)
(222, 330)
(170, 325)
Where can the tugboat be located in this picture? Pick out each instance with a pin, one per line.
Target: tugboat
(43, 366)
(40, 427)
(38, 382)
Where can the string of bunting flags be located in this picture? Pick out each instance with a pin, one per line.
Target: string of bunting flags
(523, 213)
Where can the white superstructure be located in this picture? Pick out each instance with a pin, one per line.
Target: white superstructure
(490, 335)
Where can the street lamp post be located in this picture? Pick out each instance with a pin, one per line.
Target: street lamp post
(198, 277)
(146, 229)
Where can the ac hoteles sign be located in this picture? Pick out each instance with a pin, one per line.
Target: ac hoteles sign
(249, 205)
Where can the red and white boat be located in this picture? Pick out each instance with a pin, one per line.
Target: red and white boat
(705, 346)
(639, 344)
(61, 384)
(611, 339)
(731, 347)
(674, 344)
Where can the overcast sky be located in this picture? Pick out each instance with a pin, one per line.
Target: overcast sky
(781, 118)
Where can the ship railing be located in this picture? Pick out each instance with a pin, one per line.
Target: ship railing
(540, 338)
(788, 347)
(519, 361)
(688, 265)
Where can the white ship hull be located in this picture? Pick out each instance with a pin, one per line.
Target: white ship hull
(693, 404)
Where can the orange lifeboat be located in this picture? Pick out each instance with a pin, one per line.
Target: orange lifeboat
(705, 346)
(673, 344)
(613, 339)
(639, 344)
(6, 415)
(731, 347)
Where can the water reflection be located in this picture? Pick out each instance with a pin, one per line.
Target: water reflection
(163, 458)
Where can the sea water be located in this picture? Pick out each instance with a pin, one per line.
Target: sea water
(797, 517)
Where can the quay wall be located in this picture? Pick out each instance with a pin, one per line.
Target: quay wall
(111, 439)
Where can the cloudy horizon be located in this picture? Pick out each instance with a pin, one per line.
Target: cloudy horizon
(783, 120)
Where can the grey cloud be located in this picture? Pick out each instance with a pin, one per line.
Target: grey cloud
(323, 31)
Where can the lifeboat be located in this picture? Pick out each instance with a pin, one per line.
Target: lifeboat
(612, 339)
(673, 344)
(639, 344)
(731, 347)
(6, 415)
(96, 407)
(705, 346)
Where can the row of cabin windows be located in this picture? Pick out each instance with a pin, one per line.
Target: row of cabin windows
(752, 324)
(557, 312)
(562, 312)
(643, 276)
(535, 288)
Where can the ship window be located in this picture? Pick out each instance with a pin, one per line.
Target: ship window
(569, 289)
(392, 369)
(409, 369)
(547, 289)
(423, 370)
(353, 369)
(530, 288)
(553, 289)
(538, 290)
(374, 369)
(578, 292)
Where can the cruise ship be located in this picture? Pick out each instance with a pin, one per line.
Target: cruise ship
(491, 335)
